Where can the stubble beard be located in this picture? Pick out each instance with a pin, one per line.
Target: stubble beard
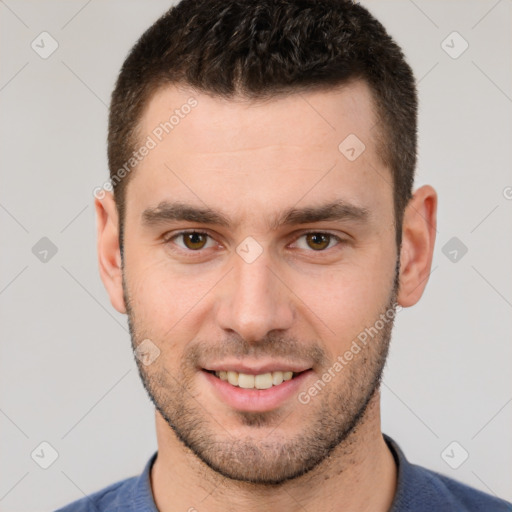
(331, 416)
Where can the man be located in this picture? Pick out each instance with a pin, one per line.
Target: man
(261, 237)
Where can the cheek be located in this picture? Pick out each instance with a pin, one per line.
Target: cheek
(157, 285)
(348, 300)
(166, 305)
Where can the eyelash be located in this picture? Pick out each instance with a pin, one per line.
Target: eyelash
(169, 239)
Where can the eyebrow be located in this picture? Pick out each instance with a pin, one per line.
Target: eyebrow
(177, 211)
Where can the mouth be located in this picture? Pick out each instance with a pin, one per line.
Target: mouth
(260, 381)
(256, 392)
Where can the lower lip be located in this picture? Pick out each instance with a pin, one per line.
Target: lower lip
(256, 400)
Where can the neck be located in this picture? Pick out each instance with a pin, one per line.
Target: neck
(359, 475)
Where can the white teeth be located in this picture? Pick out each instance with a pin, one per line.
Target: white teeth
(245, 381)
(233, 378)
(261, 381)
(277, 378)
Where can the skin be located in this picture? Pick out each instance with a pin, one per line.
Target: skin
(250, 161)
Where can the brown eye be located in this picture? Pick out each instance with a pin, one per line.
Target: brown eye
(190, 240)
(194, 241)
(318, 241)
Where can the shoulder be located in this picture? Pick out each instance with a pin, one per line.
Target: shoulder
(454, 495)
(422, 490)
(111, 498)
(129, 495)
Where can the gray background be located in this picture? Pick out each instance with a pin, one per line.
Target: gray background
(67, 374)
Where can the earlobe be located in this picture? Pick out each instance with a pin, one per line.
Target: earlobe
(418, 238)
(109, 254)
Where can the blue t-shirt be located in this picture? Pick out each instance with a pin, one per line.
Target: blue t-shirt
(418, 490)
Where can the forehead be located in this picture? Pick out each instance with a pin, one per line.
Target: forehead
(216, 148)
(216, 124)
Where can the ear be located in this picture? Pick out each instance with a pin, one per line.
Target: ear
(418, 238)
(109, 253)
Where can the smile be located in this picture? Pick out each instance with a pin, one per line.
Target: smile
(248, 381)
(256, 392)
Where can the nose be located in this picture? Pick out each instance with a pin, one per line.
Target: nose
(255, 300)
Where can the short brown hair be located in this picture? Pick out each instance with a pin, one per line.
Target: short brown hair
(263, 48)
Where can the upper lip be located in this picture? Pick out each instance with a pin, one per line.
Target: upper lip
(257, 369)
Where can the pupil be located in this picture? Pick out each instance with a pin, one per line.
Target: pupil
(317, 239)
(194, 239)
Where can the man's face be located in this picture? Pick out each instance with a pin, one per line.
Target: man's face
(255, 295)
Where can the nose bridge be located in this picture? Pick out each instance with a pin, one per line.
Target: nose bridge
(254, 300)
